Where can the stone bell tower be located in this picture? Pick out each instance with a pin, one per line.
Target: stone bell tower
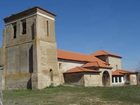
(29, 47)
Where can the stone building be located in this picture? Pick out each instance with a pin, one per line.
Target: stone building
(97, 69)
(30, 59)
(29, 50)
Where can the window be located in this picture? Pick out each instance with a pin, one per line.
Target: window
(33, 30)
(47, 23)
(116, 67)
(120, 79)
(60, 65)
(116, 80)
(113, 79)
(51, 75)
(14, 30)
(23, 26)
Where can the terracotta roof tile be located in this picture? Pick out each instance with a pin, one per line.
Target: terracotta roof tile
(121, 72)
(73, 56)
(81, 69)
(91, 64)
(103, 52)
(67, 55)
(76, 56)
(97, 64)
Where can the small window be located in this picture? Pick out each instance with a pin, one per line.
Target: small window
(120, 79)
(47, 23)
(60, 65)
(116, 80)
(24, 27)
(116, 67)
(14, 30)
(113, 79)
(51, 75)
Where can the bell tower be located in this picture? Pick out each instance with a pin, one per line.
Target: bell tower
(48, 73)
(29, 47)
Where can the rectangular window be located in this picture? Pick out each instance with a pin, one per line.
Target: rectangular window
(116, 80)
(116, 67)
(47, 23)
(112, 79)
(60, 65)
(14, 30)
(51, 75)
(23, 22)
(120, 80)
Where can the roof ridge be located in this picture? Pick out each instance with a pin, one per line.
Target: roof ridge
(72, 52)
(81, 68)
(97, 63)
(105, 51)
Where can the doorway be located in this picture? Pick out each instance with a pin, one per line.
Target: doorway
(106, 78)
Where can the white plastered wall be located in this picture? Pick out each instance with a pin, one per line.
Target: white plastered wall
(65, 65)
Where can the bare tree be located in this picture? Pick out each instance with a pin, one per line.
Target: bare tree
(1, 94)
(138, 70)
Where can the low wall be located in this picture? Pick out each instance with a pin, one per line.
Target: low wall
(74, 78)
(92, 80)
(133, 79)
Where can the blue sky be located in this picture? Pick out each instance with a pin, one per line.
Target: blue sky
(89, 25)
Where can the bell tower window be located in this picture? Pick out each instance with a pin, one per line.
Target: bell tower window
(14, 25)
(24, 30)
(47, 23)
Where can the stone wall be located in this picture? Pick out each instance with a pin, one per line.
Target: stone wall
(30, 58)
(74, 78)
(47, 64)
(115, 62)
(1, 56)
(19, 66)
(19, 55)
(133, 79)
(101, 75)
(92, 80)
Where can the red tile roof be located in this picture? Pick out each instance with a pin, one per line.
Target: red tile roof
(91, 64)
(74, 56)
(121, 72)
(97, 64)
(61, 54)
(81, 69)
(102, 52)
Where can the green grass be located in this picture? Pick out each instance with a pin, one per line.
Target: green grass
(129, 95)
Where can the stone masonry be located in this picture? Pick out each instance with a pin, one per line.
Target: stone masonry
(29, 50)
